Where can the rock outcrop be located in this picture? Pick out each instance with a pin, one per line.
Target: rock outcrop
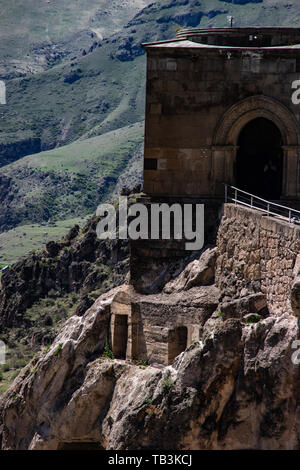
(295, 292)
(199, 272)
(236, 385)
(65, 266)
(235, 389)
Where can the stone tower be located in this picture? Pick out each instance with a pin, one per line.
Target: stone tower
(219, 108)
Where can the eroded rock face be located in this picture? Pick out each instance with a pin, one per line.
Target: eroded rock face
(237, 388)
(199, 272)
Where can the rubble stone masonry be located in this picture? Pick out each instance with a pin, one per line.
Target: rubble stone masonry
(257, 253)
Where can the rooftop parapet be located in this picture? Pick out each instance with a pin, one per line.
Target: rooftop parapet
(242, 37)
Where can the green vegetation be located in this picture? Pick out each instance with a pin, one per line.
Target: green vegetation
(142, 363)
(44, 320)
(93, 123)
(167, 384)
(46, 349)
(108, 354)
(58, 349)
(253, 318)
(46, 23)
(27, 238)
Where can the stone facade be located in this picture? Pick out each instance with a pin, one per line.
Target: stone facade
(159, 327)
(256, 254)
(202, 89)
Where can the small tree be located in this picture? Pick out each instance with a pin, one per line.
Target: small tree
(107, 351)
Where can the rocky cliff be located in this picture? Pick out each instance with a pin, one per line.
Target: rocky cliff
(80, 262)
(236, 387)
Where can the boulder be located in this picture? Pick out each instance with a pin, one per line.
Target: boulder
(200, 272)
(253, 303)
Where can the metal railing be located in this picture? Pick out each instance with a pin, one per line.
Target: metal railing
(238, 196)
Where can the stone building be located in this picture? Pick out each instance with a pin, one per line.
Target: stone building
(221, 107)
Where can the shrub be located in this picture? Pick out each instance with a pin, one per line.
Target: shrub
(46, 349)
(107, 351)
(58, 349)
(166, 384)
(254, 318)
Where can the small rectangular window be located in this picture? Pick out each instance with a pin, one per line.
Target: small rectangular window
(150, 164)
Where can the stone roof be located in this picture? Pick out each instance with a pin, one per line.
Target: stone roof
(246, 38)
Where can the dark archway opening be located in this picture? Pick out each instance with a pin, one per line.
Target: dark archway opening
(120, 336)
(177, 342)
(259, 159)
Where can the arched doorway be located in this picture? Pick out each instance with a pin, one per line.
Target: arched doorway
(259, 161)
(226, 136)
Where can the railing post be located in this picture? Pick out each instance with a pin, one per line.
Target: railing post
(293, 215)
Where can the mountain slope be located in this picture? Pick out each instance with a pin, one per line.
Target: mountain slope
(70, 181)
(35, 34)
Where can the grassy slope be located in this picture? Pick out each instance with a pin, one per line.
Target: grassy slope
(32, 237)
(109, 93)
(102, 153)
(31, 24)
(78, 171)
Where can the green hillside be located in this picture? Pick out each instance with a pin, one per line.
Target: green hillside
(35, 34)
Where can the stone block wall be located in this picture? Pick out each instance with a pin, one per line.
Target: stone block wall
(198, 101)
(257, 253)
(159, 327)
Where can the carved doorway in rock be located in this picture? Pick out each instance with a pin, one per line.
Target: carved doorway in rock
(177, 342)
(120, 336)
(259, 162)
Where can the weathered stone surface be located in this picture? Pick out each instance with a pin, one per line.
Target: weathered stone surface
(295, 291)
(233, 385)
(199, 98)
(199, 272)
(295, 297)
(64, 266)
(257, 254)
(235, 389)
(253, 303)
(150, 321)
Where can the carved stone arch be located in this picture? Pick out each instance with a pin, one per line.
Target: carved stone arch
(229, 127)
(235, 118)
